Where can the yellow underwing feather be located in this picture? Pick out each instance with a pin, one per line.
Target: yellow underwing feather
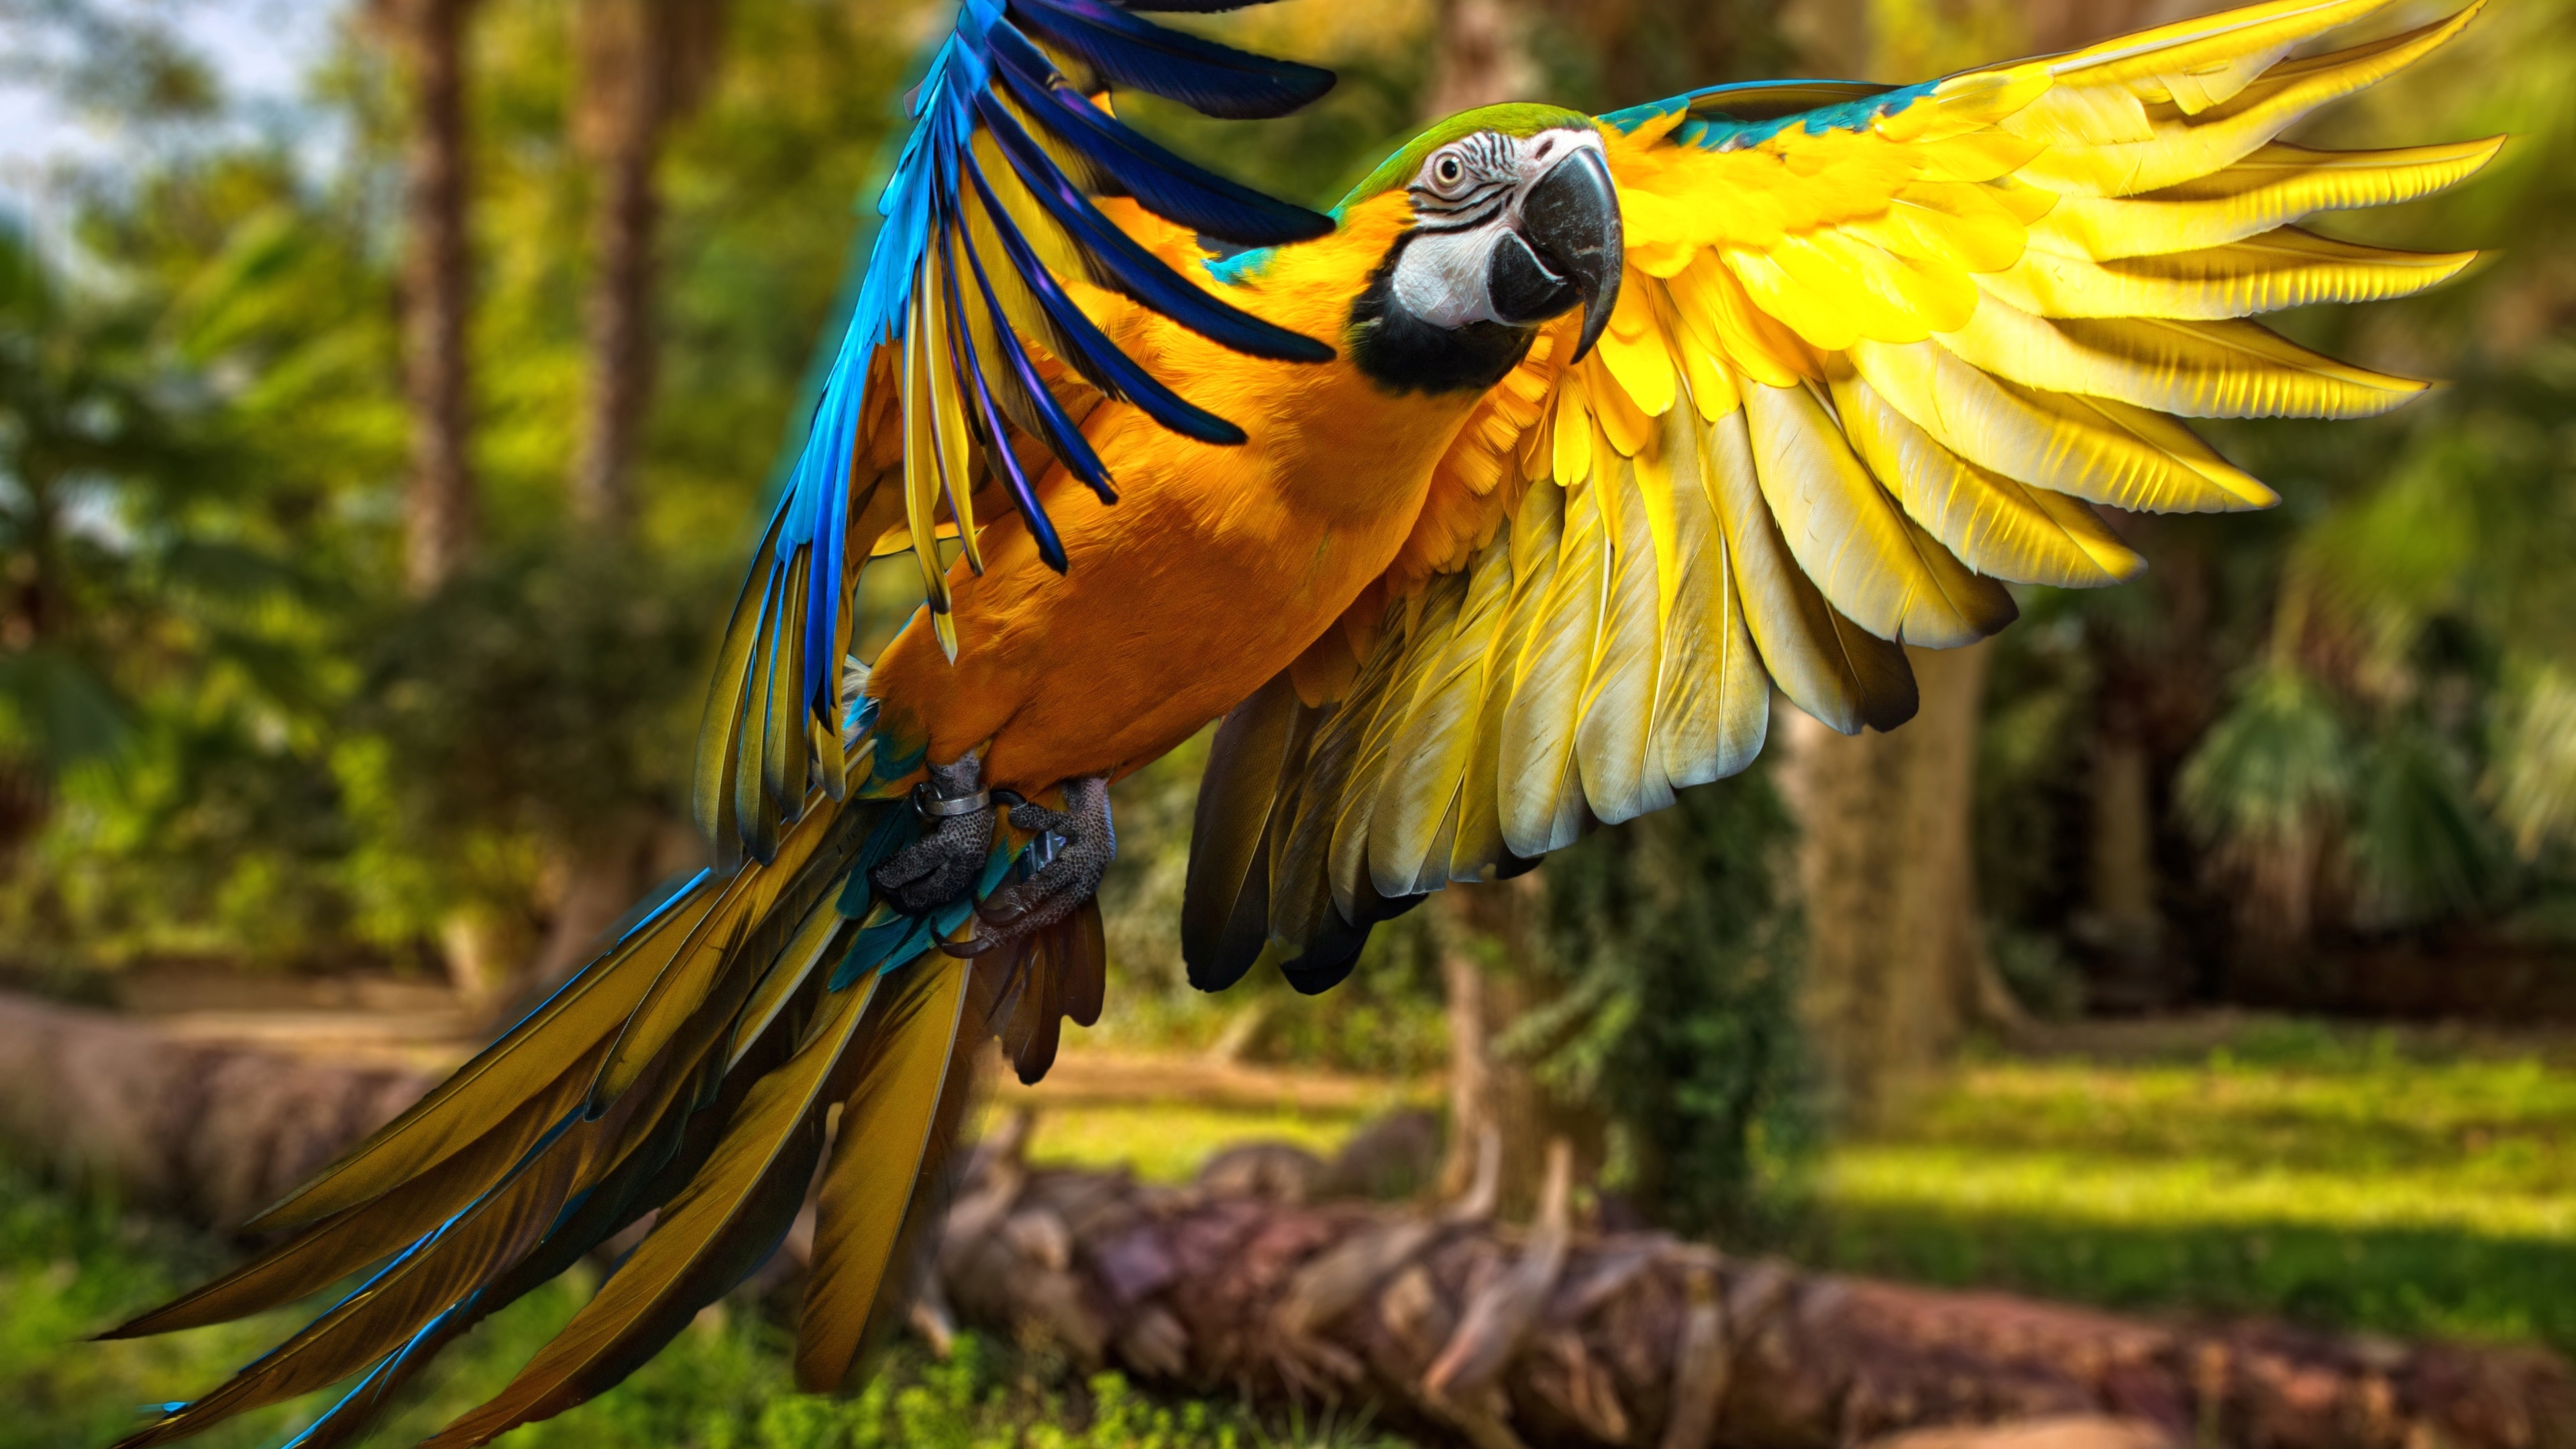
(1614, 755)
(1535, 769)
(1713, 702)
(2226, 369)
(1844, 531)
(2189, 146)
(1431, 751)
(1864, 366)
(1994, 524)
(1533, 555)
(2284, 268)
(2046, 440)
(1846, 684)
(2276, 185)
(1376, 785)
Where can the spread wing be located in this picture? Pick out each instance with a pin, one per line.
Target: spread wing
(1876, 351)
(1023, 219)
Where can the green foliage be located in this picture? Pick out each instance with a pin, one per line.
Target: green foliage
(70, 1265)
(2274, 772)
(234, 737)
(1677, 1015)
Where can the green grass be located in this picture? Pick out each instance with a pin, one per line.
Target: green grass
(2355, 1180)
(2345, 1179)
(1167, 1142)
(69, 1266)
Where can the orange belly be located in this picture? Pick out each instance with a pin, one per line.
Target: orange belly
(1214, 570)
(1208, 576)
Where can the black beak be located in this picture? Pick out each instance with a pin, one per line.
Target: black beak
(1569, 248)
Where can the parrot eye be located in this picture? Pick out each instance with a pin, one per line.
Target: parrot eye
(1448, 171)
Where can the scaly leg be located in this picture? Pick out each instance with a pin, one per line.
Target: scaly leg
(940, 868)
(1085, 842)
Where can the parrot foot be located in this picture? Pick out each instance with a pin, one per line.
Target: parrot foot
(941, 867)
(1074, 847)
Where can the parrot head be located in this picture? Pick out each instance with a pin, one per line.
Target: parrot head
(1513, 221)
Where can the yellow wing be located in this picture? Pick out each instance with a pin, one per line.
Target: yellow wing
(1875, 351)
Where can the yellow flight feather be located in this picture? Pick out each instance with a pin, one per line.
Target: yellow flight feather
(1994, 524)
(1614, 756)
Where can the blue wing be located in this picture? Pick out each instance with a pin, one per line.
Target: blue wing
(991, 207)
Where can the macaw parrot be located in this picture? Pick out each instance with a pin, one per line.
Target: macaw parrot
(1487, 507)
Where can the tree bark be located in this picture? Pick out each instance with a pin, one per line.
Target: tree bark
(1896, 958)
(1489, 972)
(643, 64)
(1458, 1327)
(1483, 58)
(1446, 1321)
(439, 505)
(203, 1132)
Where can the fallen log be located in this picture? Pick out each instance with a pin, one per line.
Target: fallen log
(207, 1132)
(1540, 1336)
(1449, 1322)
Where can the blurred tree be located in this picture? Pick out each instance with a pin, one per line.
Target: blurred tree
(1675, 943)
(640, 66)
(437, 295)
(1896, 968)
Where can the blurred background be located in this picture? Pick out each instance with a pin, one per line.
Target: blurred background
(389, 395)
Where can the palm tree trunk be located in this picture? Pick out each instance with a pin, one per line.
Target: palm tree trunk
(1896, 959)
(620, 120)
(642, 65)
(439, 506)
(1458, 1328)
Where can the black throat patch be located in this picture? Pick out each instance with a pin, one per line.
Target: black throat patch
(1402, 353)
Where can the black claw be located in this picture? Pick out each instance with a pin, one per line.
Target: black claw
(1071, 851)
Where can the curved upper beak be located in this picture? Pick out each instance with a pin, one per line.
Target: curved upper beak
(1570, 224)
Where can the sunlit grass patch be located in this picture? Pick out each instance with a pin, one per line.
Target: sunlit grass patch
(1168, 1141)
(2357, 1180)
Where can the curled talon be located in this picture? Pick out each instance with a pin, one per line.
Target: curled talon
(1070, 851)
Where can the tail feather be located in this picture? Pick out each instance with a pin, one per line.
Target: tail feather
(888, 1128)
(724, 1223)
(689, 1070)
(351, 1239)
(518, 1083)
(698, 993)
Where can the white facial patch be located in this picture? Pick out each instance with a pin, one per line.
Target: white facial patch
(1441, 276)
(1466, 198)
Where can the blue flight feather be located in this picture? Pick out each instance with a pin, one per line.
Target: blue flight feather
(993, 49)
(1139, 273)
(1213, 79)
(1059, 433)
(1094, 355)
(1163, 183)
(997, 440)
